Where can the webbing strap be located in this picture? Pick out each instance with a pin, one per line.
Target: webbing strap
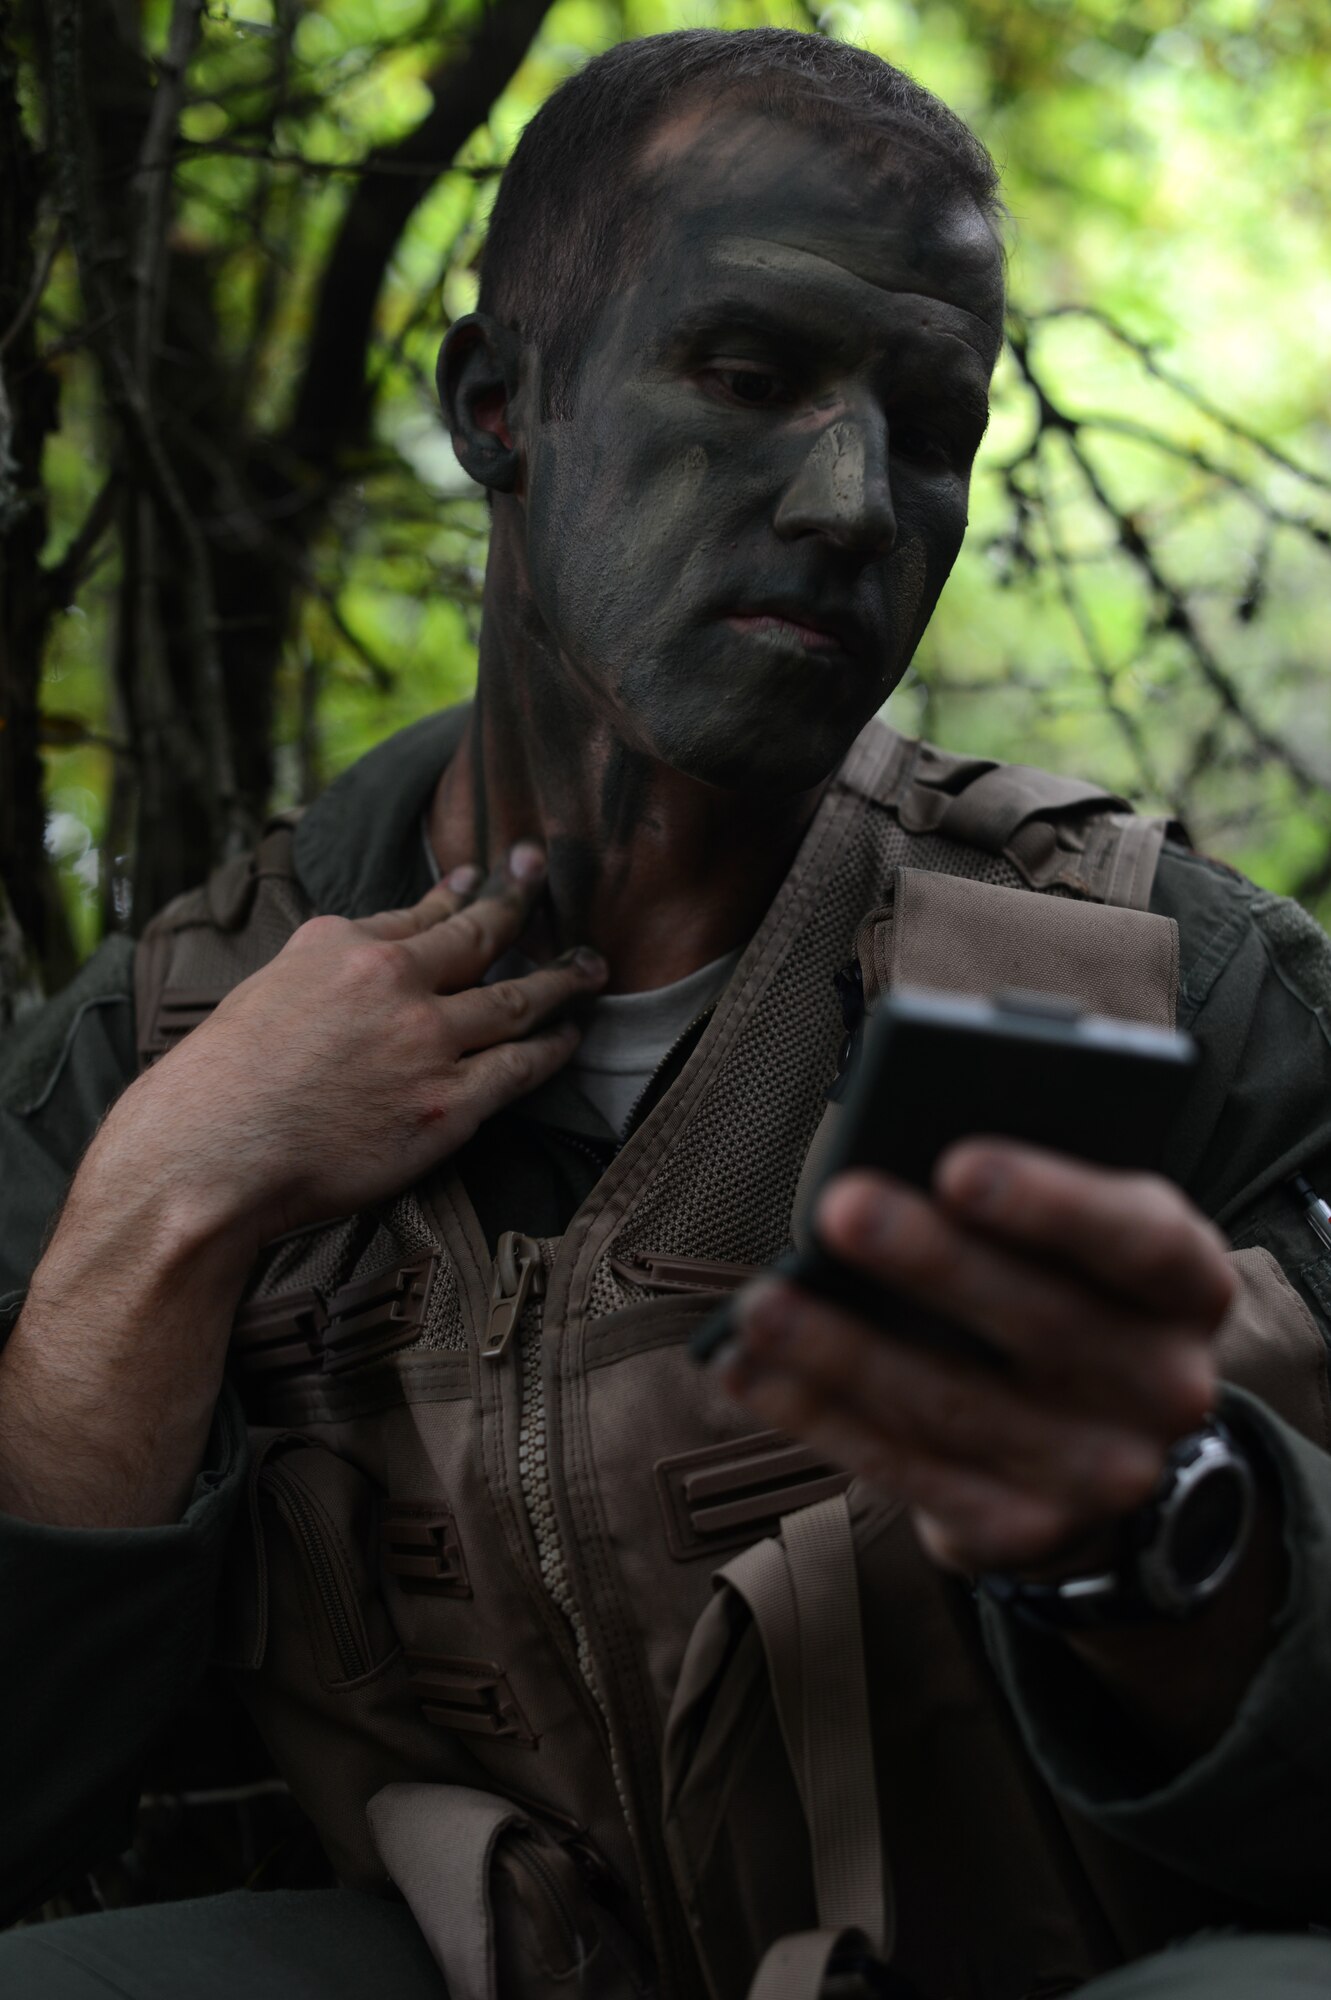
(795, 1967)
(1136, 857)
(991, 808)
(803, 1594)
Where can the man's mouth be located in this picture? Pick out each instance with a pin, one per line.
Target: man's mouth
(814, 631)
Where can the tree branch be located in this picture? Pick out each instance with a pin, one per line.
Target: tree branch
(393, 182)
(35, 290)
(128, 392)
(152, 184)
(1146, 355)
(1177, 615)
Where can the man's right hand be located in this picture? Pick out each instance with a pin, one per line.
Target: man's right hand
(363, 1054)
(359, 1057)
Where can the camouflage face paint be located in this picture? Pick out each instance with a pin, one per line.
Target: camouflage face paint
(706, 579)
(736, 540)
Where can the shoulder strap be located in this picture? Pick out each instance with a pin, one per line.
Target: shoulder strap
(800, 1967)
(1057, 832)
(803, 1594)
(206, 941)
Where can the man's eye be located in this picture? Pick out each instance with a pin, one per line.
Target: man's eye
(925, 447)
(754, 387)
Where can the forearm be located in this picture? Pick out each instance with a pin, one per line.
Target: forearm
(109, 1379)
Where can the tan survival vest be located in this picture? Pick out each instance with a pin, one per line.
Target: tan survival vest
(625, 1696)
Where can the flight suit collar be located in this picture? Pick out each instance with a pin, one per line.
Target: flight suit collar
(358, 848)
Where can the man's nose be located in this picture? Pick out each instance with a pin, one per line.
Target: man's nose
(842, 490)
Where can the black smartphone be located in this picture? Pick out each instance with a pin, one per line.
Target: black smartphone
(937, 1067)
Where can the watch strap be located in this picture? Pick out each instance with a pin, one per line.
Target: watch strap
(1160, 1568)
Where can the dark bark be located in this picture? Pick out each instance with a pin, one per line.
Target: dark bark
(217, 526)
(175, 805)
(291, 481)
(332, 407)
(29, 411)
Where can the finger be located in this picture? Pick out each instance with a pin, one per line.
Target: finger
(509, 1008)
(497, 1077)
(1079, 1346)
(459, 952)
(966, 1518)
(440, 901)
(968, 1415)
(1136, 1234)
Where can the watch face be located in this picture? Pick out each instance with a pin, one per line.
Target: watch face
(1206, 1527)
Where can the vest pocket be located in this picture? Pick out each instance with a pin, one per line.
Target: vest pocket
(313, 1545)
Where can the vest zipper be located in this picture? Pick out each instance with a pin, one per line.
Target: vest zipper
(516, 1290)
(519, 1275)
(630, 1125)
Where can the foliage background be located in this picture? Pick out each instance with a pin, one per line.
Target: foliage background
(235, 549)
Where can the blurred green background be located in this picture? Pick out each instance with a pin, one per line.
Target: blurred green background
(1143, 597)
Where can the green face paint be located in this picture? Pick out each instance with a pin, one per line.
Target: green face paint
(736, 540)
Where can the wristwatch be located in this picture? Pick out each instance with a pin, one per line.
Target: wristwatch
(1172, 1555)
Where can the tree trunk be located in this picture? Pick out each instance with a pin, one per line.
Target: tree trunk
(28, 412)
(217, 528)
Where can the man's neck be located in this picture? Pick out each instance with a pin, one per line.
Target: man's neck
(660, 873)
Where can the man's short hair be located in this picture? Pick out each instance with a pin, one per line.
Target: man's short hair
(573, 211)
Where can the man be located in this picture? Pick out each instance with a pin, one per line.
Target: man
(742, 298)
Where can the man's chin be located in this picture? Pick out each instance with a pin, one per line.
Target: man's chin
(774, 732)
(767, 770)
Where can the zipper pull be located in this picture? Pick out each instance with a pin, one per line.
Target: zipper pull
(519, 1275)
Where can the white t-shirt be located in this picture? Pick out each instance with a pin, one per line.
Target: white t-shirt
(630, 1035)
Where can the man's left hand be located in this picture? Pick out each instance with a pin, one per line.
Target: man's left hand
(1101, 1290)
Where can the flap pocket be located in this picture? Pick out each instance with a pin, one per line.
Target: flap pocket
(313, 1546)
(502, 1904)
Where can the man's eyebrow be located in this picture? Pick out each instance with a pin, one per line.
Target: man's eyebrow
(743, 315)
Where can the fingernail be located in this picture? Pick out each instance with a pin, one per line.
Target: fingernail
(590, 962)
(765, 1316)
(859, 1220)
(526, 861)
(734, 1367)
(464, 879)
(979, 1187)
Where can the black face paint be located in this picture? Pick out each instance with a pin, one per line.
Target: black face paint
(624, 787)
(479, 797)
(738, 537)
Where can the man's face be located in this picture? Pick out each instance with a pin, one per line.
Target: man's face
(741, 532)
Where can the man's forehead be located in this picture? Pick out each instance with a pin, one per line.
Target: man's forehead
(740, 183)
(843, 289)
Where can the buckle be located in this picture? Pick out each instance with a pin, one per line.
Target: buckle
(420, 1546)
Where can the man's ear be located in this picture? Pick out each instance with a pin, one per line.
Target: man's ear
(477, 377)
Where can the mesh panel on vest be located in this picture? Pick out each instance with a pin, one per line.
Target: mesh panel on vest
(360, 1247)
(401, 1228)
(726, 1184)
(317, 1259)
